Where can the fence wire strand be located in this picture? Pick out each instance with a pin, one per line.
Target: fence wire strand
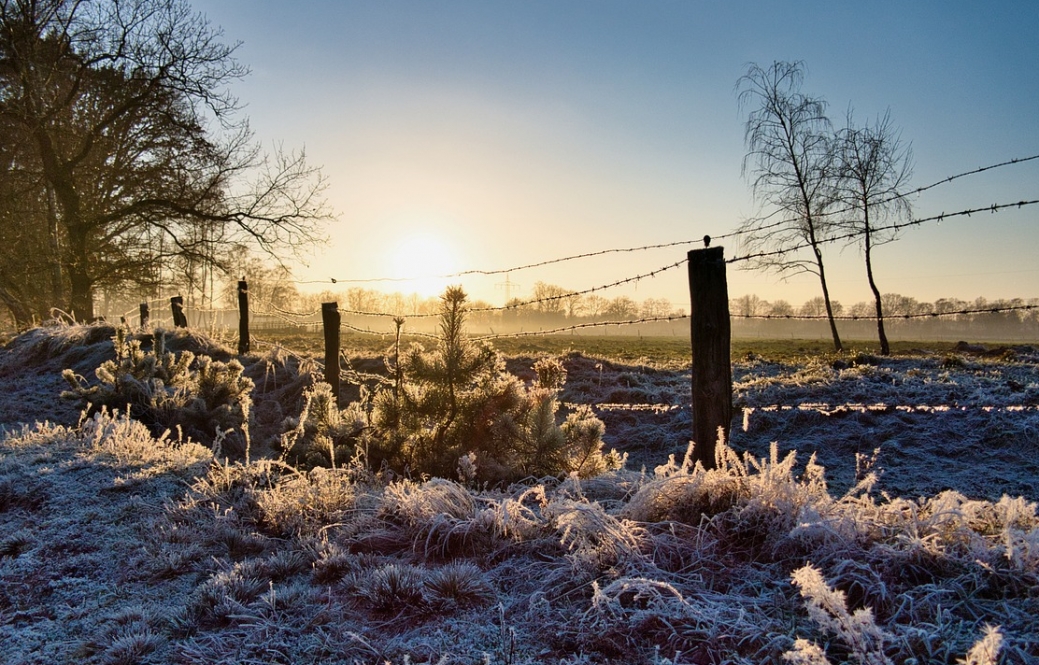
(678, 243)
(994, 208)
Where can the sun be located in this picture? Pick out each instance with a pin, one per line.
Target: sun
(422, 262)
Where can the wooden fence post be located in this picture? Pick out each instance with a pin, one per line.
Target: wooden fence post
(712, 369)
(177, 306)
(144, 315)
(243, 317)
(330, 320)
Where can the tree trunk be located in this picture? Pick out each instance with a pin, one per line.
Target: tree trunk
(20, 312)
(81, 294)
(885, 347)
(826, 299)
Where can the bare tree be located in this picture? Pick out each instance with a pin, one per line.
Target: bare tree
(874, 172)
(748, 305)
(781, 308)
(595, 305)
(790, 161)
(549, 298)
(126, 132)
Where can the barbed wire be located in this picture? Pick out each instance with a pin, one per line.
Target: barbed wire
(502, 271)
(518, 304)
(678, 243)
(357, 329)
(994, 208)
(685, 317)
(594, 289)
(821, 407)
(894, 197)
(982, 169)
(887, 317)
(581, 326)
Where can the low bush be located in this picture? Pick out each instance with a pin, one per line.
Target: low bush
(453, 411)
(201, 398)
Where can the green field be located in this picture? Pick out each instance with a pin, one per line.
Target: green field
(671, 352)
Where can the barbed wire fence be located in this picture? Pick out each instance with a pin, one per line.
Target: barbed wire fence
(311, 319)
(275, 316)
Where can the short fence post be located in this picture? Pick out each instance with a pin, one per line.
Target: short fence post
(712, 369)
(330, 320)
(243, 317)
(177, 305)
(144, 315)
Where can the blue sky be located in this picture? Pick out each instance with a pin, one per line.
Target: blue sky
(505, 133)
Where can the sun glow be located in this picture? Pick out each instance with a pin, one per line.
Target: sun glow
(421, 263)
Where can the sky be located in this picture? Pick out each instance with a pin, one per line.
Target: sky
(487, 135)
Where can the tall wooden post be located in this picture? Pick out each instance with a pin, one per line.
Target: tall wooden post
(330, 320)
(243, 317)
(144, 315)
(177, 306)
(712, 369)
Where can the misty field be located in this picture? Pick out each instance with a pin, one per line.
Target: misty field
(867, 510)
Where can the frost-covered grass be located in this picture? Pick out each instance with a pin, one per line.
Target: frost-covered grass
(120, 547)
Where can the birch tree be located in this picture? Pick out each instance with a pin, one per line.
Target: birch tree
(790, 164)
(874, 172)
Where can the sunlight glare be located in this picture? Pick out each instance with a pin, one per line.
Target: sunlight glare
(422, 261)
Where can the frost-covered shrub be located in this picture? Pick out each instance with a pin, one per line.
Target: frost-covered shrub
(205, 399)
(323, 434)
(457, 402)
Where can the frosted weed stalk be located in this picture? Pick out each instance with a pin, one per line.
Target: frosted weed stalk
(829, 610)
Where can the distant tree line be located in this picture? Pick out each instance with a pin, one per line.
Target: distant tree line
(910, 318)
(276, 299)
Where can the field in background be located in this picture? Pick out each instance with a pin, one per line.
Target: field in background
(660, 351)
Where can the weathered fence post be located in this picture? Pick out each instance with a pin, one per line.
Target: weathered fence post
(330, 320)
(243, 317)
(712, 369)
(177, 306)
(144, 315)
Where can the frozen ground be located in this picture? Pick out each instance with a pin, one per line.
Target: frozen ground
(967, 421)
(116, 547)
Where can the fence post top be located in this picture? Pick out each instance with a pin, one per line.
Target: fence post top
(715, 253)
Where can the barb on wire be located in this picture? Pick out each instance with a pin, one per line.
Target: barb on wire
(581, 326)
(363, 331)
